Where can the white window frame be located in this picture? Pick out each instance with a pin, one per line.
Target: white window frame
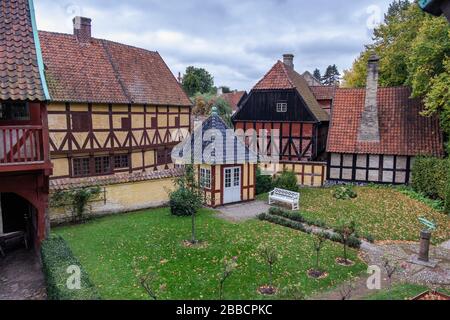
(281, 106)
(205, 178)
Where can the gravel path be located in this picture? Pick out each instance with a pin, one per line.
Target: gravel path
(242, 211)
(21, 277)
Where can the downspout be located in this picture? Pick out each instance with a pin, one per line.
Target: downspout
(37, 44)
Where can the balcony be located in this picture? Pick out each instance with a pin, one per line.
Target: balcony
(22, 148)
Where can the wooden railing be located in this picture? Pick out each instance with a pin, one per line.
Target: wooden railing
(21, 145)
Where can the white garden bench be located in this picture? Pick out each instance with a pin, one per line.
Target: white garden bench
(285, 196)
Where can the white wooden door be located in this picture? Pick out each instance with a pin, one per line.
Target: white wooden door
(231, 184)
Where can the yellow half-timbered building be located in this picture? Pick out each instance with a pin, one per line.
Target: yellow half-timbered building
(116, 112)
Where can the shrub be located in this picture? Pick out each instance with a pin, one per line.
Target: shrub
(56, 259)
(436, 204)
(344, 193)
(263, 182)
(286, 180)
(187, 199)
(430, 177)
(447, 191)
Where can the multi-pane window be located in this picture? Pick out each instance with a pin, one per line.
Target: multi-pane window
(227, 178)
(164, 156)
(237, 177)
(14, 111)
(205, 178)
(102, 165)
(281, 106)
(81, 167)
(121, 161)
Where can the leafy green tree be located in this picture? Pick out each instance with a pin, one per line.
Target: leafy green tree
(197, 80)
(414, 50)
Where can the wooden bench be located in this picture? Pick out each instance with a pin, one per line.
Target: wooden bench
(285, 196)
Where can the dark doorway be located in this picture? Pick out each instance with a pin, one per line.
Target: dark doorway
(17, 214)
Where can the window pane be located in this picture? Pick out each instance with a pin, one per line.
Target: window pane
(81, 167)
(237, 177)
(227, 178)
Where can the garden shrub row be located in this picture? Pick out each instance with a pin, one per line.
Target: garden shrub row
(56, 259)
(297, 216)
(285, 180)
(431, 177)
(353, 241)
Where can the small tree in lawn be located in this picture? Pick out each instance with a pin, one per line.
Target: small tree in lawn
(187, 199)
(270, 256)
(148, 280)
(318, 243)
(391, 267)
(229, 265)
(346, 230)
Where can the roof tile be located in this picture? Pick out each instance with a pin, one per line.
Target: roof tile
(403, 131)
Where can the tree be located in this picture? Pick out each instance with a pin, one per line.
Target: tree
(318, 242)
(331, 75)
(270, 256)
(229, 265)
(197, 80)
(414, 50)
(203, 104)
(317, 74)
(346, 230)
(187, 199)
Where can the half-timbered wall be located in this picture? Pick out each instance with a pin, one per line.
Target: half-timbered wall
(309, 174)
(214, 194)
(369, 168)
(298, 141)
(133, 137)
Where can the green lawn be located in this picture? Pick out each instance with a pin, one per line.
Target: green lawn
(402, 291)
(385, 213)
(107, 247)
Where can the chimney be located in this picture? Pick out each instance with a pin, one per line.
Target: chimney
(288, 60)
(369, 130)
(219, 91)
(82, 29)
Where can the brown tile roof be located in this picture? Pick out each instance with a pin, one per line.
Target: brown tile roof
(103, 71)
(73, 183)
(403, 131)
(283, 77)
(19, 69)
(323, 92)
(233, 98)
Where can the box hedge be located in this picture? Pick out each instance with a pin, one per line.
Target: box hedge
(56, 259)
(431, 177)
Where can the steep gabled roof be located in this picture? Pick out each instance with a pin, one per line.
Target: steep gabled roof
(283, 77)
(234, 150)
(103, 71)
(403, 131)
(20, 68)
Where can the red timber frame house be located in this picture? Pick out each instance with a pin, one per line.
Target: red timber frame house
(282, 100)
(25, 165)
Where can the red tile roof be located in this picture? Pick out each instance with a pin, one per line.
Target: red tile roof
(102, 71)
(233, 98)
(323, 92)
(403, 131)
(283, 77)
(19, 69)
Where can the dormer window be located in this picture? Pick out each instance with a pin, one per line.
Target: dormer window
(281, 106)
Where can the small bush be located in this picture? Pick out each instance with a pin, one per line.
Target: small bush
(56, 259)
(344, 193)
(263, 182)
(286, 180)
(447, 191)
(183, 202)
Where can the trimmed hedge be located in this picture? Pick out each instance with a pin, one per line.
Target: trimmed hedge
(353, 241)
(430, 176)
(56, 258)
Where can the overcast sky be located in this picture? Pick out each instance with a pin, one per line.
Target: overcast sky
(236, 40)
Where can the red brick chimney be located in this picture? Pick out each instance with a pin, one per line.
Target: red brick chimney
(82, 29)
